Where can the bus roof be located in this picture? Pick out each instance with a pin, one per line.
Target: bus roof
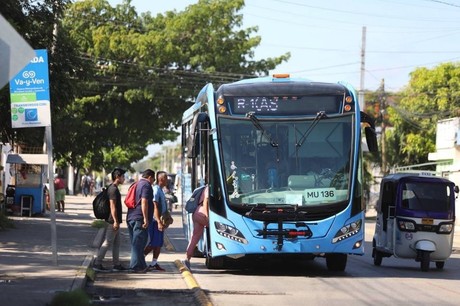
(298, 86)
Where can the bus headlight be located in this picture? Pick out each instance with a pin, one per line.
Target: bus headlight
(230, 232)
(445, 228)
(347, 231)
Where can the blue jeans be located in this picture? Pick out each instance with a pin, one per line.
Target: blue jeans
(139, 237)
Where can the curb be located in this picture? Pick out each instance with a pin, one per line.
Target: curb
(81, 276)
(200, 296)
(80, 279)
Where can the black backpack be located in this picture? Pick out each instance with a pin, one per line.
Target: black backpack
(101, 205)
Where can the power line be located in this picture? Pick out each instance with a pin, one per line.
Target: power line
(354, 51)
(443, 2)
(356, 13)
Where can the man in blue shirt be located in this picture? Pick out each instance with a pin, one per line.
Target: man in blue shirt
(138, 219)
(156, 228)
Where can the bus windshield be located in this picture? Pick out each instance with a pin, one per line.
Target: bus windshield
(270, 161)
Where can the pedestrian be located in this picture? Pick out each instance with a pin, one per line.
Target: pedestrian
(112, 233)
(59, 191)
(200, 220)
(91, 185)
(156, 228)
(138, 219)
(98, 183)
(46, 193)
(85, 182)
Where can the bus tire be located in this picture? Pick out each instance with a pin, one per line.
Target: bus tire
(215, 262)
(336, 261)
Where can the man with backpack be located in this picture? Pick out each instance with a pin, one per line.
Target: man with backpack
(112, 234)
(138, 218)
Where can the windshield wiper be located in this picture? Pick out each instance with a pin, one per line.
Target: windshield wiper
(255, 121)
(320, 115)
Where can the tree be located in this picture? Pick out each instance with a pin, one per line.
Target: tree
(120, 81)
(35, 21)
(432, 95)
(146, 68)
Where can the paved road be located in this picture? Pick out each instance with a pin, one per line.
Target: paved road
(28, 275)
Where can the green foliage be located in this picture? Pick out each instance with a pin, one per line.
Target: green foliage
(98, 224)
(120, 81)
(73, 298)
(432, 95)
(5, 222)
(35, 21)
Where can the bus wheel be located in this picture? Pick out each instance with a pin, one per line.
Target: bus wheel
(215, 262)
(336, 261)
(440, 264)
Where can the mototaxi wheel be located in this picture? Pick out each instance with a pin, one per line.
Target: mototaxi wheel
(377, 257)
(425, 261)
(440, 264)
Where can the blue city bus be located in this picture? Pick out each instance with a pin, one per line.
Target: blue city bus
(283, 160)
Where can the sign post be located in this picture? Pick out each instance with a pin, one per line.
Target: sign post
(30, 107)
(30, 96)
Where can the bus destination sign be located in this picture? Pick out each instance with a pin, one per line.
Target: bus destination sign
(286, 105)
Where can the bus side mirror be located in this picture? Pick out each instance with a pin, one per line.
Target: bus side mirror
(456, 189)
(371, 139)
(371, 135)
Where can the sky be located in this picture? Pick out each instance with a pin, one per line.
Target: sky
(325, 37)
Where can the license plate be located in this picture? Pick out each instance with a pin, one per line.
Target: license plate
(320, 194)
(428, 221)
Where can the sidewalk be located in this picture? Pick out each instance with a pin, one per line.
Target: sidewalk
(28, 275)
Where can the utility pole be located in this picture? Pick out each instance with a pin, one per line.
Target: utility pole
(363, 62)
(383, 106)
(49, 149)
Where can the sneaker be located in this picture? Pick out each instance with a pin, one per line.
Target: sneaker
(119, 268)
(100, 268)
(155, 267)
(150, 268)
(187, 264)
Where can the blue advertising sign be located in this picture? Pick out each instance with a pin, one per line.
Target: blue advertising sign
(29, 93)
